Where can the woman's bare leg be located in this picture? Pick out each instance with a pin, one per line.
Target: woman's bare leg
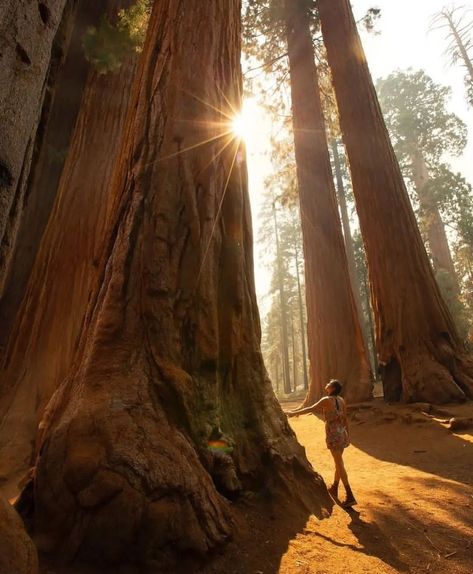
(333, 490)
(342, 473)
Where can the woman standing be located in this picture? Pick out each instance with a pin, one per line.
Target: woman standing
(334, 410)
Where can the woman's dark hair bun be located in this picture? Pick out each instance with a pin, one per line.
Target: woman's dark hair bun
(337, 386)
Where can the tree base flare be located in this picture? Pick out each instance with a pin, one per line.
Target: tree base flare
(17, 552)
(118, 481)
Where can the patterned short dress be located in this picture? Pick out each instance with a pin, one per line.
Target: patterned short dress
(335, 430)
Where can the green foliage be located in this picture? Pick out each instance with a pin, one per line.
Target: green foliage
(454, 196)
(107, 46)
(371, 18)
(286, 264)
(456, 306)
(415, 110)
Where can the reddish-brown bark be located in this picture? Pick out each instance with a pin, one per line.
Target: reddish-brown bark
(417, 342)
(17, 552)
(347, 236)
(335, 343)
(170, 352)
(66, 273)
(60, 109)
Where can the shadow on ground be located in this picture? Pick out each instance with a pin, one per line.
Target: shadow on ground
(435, 531)
(409, 438)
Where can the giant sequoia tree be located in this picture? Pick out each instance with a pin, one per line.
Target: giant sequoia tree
(416, 338)
(64, 91)
(27, 32)
(169, 357)
(336, 347)
(422, 131)
(45, 333)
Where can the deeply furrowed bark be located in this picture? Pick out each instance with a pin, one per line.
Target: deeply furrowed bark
(66, 272)
(27, 32)
(170, 358)
(335, 342)
(417, 342)
(60, 110)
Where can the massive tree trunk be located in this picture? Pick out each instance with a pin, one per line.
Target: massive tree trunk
(27, 32)
(431, 222)
(349, 248)
(64, 95)
(17, 552)
(170, 355)
(335, 342)
(66, 273)
(416, 339)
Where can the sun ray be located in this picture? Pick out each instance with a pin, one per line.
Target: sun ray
(211, 106)
(193, 146)
(218, 153)
(217, 215)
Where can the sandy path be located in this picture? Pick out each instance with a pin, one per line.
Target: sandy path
(414, 483)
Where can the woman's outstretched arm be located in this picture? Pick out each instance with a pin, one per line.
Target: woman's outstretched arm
(315, 408)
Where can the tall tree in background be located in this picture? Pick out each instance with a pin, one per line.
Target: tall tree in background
(422, 131)
(340, 167)
(458, 25)
(416, 339)
(27, 33)
(283, 307)
(336, 348)
(286, 266)
(45, 335)
(296, 241)
(454, 196)
(170, 356)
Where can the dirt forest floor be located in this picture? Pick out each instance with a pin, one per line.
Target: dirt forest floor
(413, 479)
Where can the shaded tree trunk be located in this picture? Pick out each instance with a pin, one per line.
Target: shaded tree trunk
(170, 356)
(416, 339)
(349, 248)
(283, 305)
(17, 552)
(432, 223)
(65, 95)
(301, 318)
(294, 355)
(66, 272)
(27, 33)
(369, 315)
(277, 375)
(335, 342)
